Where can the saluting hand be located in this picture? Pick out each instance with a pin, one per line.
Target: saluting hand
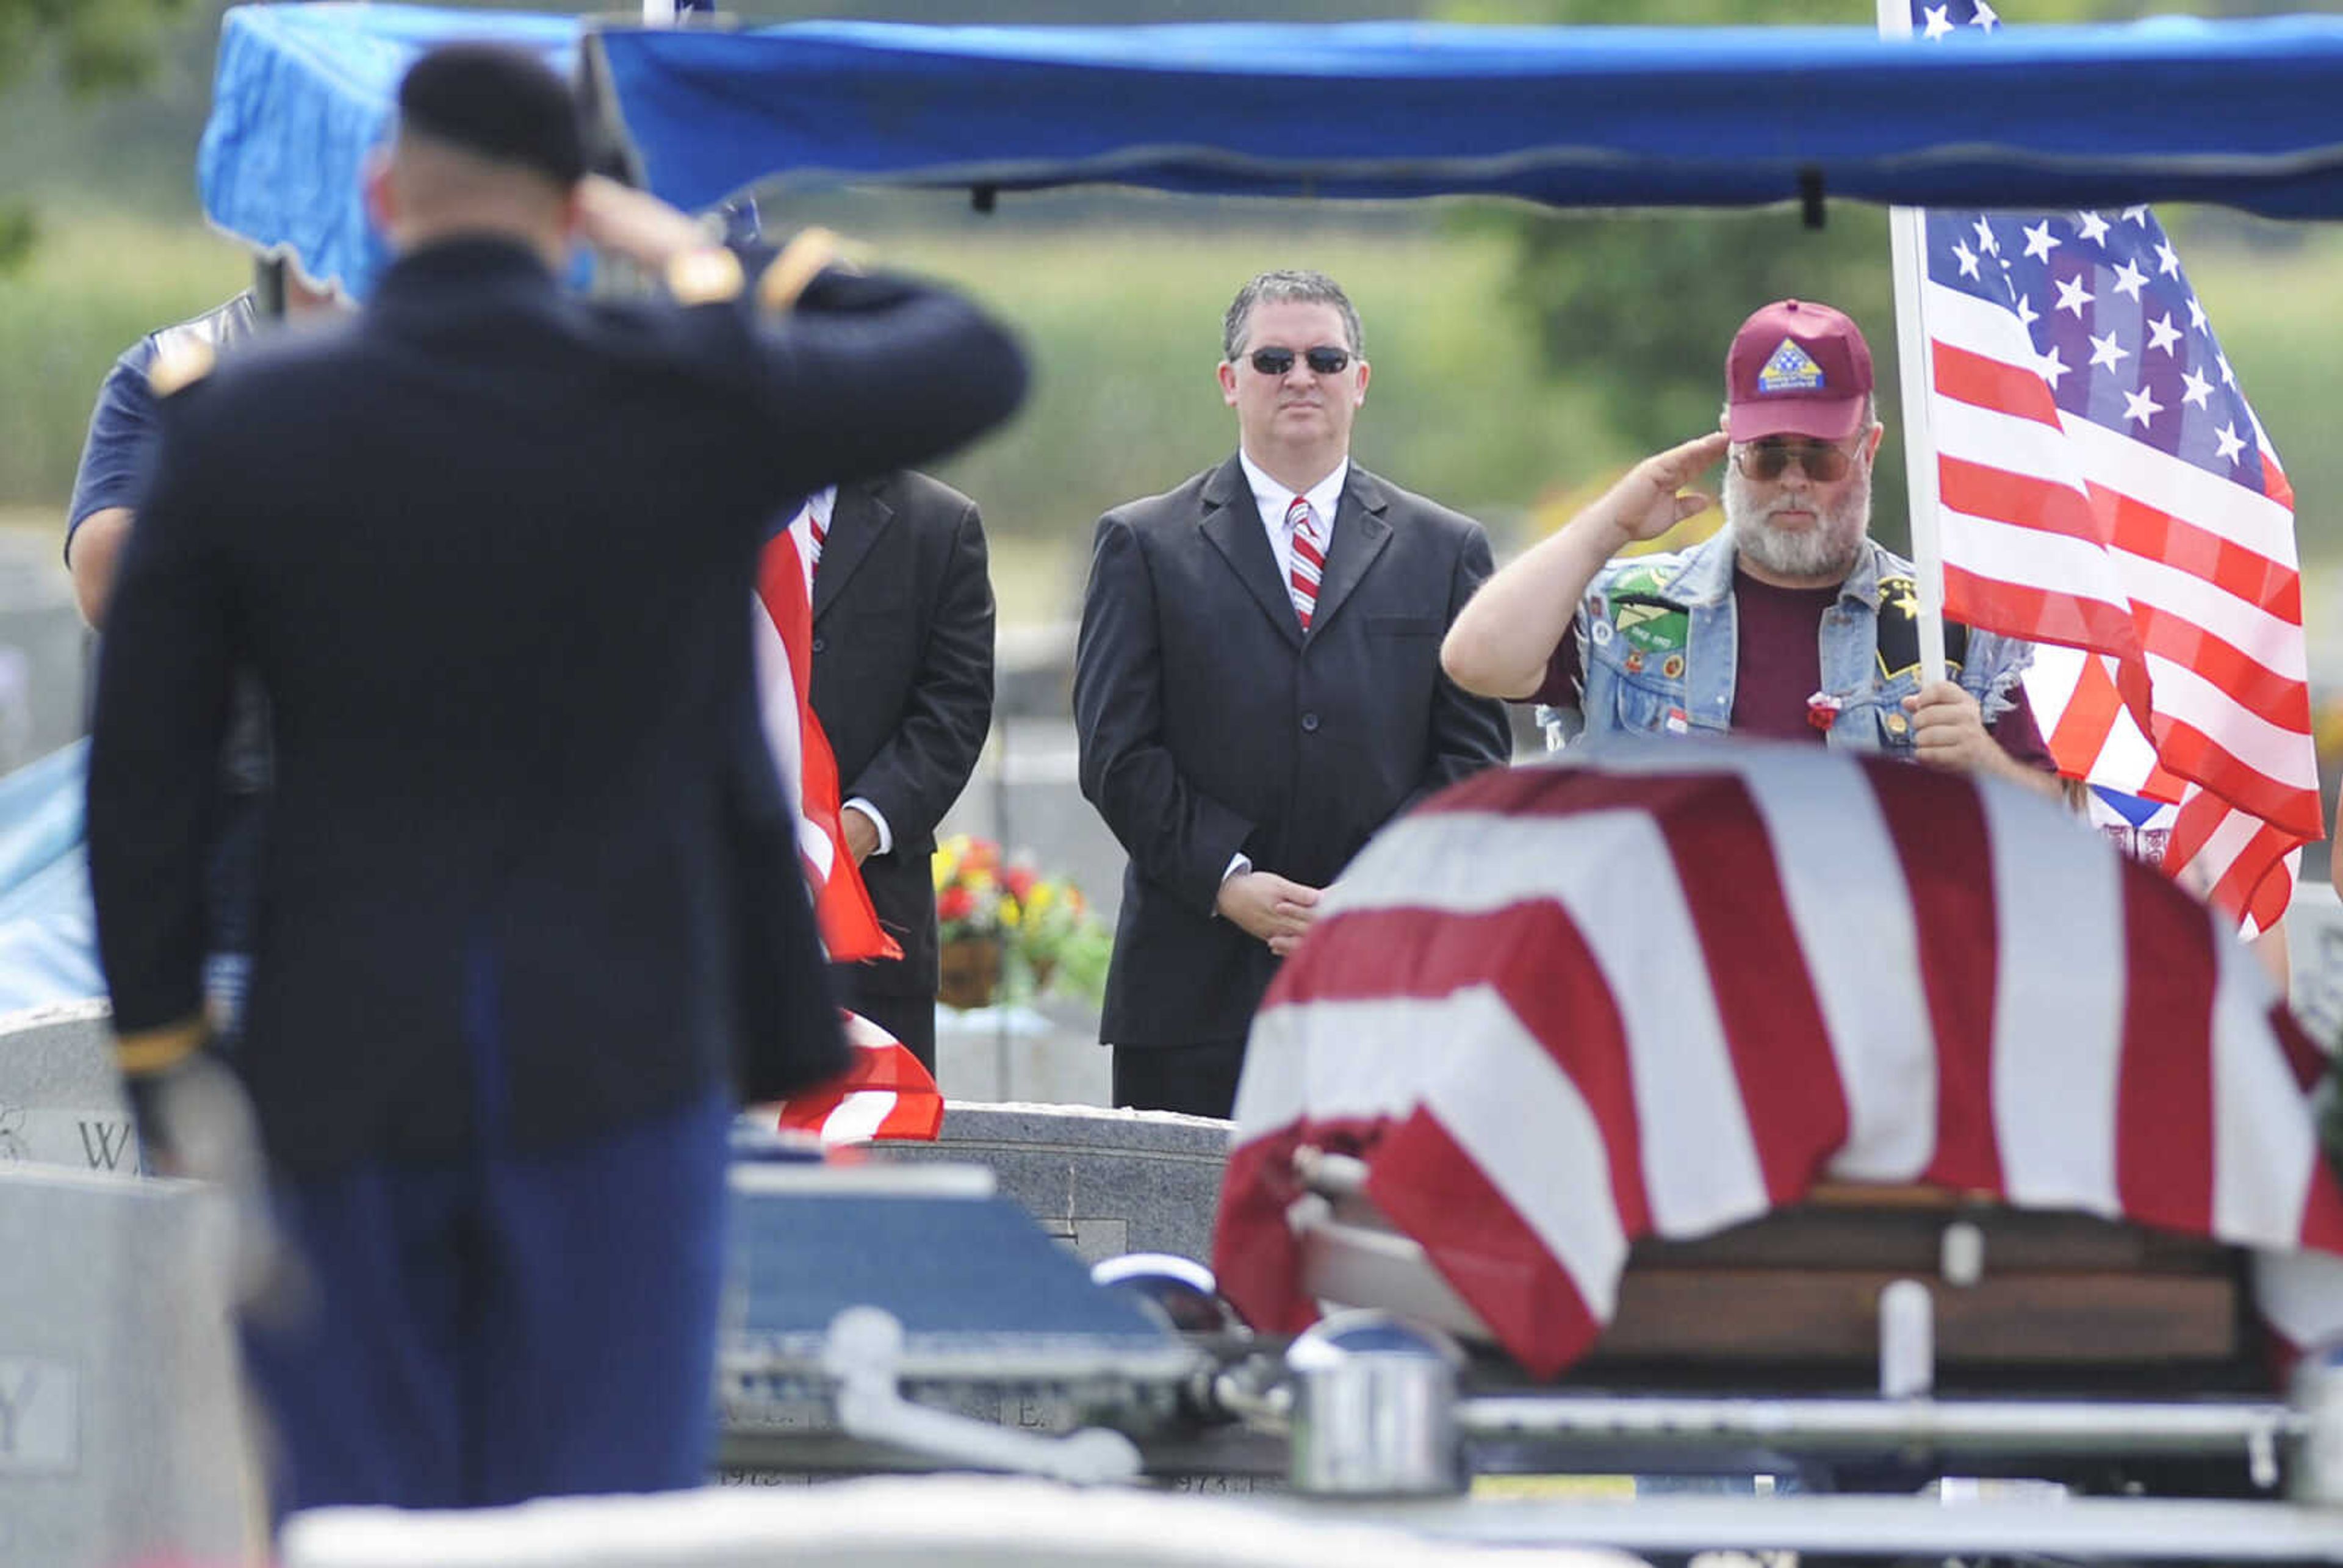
(1650, 500)
(619, 220)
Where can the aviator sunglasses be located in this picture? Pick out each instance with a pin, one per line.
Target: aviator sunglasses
(1322, 361)
(1767, 458)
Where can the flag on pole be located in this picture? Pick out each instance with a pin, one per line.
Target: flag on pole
(782, 635)
(1561, 1008)
(2107, 492)
(885, 1094)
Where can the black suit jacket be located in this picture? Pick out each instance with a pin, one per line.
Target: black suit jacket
(489, 548)
(1210, 725)
(902, 682)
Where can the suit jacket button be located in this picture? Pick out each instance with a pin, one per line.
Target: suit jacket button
(1310, 724)
(818, 645)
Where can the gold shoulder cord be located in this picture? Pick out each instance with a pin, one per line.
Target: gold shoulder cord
(797, 265)
(151, 1051)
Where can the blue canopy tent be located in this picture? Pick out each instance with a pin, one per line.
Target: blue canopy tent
(2239, 113)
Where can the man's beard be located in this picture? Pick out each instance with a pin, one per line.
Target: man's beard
(1825, 551)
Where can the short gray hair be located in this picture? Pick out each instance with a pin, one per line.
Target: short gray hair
(1284, 287)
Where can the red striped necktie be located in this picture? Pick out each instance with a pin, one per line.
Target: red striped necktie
(820, 533)
(1309, 558)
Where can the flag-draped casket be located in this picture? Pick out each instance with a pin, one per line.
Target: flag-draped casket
(1564, 1007)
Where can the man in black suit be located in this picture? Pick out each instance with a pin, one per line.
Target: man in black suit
(1258, 689)
(530, 909)
(902, 683)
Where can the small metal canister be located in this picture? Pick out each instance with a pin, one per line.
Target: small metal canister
(1374, 1409)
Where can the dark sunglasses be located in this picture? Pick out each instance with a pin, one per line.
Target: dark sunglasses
(1767, 458)
(1322, 361)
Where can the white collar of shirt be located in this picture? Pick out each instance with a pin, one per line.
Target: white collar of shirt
(821, 503)
(1273, 499)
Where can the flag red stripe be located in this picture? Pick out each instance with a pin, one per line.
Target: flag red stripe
(2254, 884)
(2275, 700)
(2191, 753)
(1939, 833)
(2018, 500)
(1766, 998)
(1372, 954)
(1432, 1188)
(2164, 1115)
(2037, 615)
(842, 903)
(1257, 1265)
(2137, 528)
(1985, 382)
(2088, 718)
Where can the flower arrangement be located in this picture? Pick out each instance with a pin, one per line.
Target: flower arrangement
(968, 890)
(1039, 929)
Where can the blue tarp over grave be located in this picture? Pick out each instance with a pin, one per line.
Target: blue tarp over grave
(2240, 112)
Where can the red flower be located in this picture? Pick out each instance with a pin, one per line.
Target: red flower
(955, 904)
(983, 855)
(1020, 881)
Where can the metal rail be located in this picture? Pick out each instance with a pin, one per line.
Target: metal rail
(2037, 1426)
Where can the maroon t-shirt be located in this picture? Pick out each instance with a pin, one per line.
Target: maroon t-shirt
(1779, 659)
(1779, 664)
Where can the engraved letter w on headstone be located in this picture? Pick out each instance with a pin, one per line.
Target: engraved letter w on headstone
(105, 1143)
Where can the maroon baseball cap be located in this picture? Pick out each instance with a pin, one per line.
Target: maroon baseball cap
(1796, 369)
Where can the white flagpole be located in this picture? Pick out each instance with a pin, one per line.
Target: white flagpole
(1908, 236)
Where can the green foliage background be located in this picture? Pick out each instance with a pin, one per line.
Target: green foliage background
(1521, 357)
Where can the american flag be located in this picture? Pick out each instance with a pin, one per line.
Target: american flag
(2107, 492)
(1564, 1007)
(782, 633)
(886, 1092)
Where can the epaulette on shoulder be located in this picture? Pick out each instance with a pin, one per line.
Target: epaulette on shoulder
(181, 359)
(709, 274)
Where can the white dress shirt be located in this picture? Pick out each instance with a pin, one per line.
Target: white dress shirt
(1274, 498)
(823, 504)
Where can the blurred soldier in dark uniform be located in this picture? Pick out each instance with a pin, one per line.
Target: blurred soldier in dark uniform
(530, 910)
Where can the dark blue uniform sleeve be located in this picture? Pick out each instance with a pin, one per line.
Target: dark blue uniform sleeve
(833, 372)
(120, 444)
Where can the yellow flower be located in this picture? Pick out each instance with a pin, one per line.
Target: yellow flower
(947, 863)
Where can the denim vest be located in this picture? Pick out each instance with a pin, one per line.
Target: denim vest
(1657, 641)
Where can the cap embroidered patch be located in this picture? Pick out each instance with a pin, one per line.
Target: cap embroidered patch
(1790, 369)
